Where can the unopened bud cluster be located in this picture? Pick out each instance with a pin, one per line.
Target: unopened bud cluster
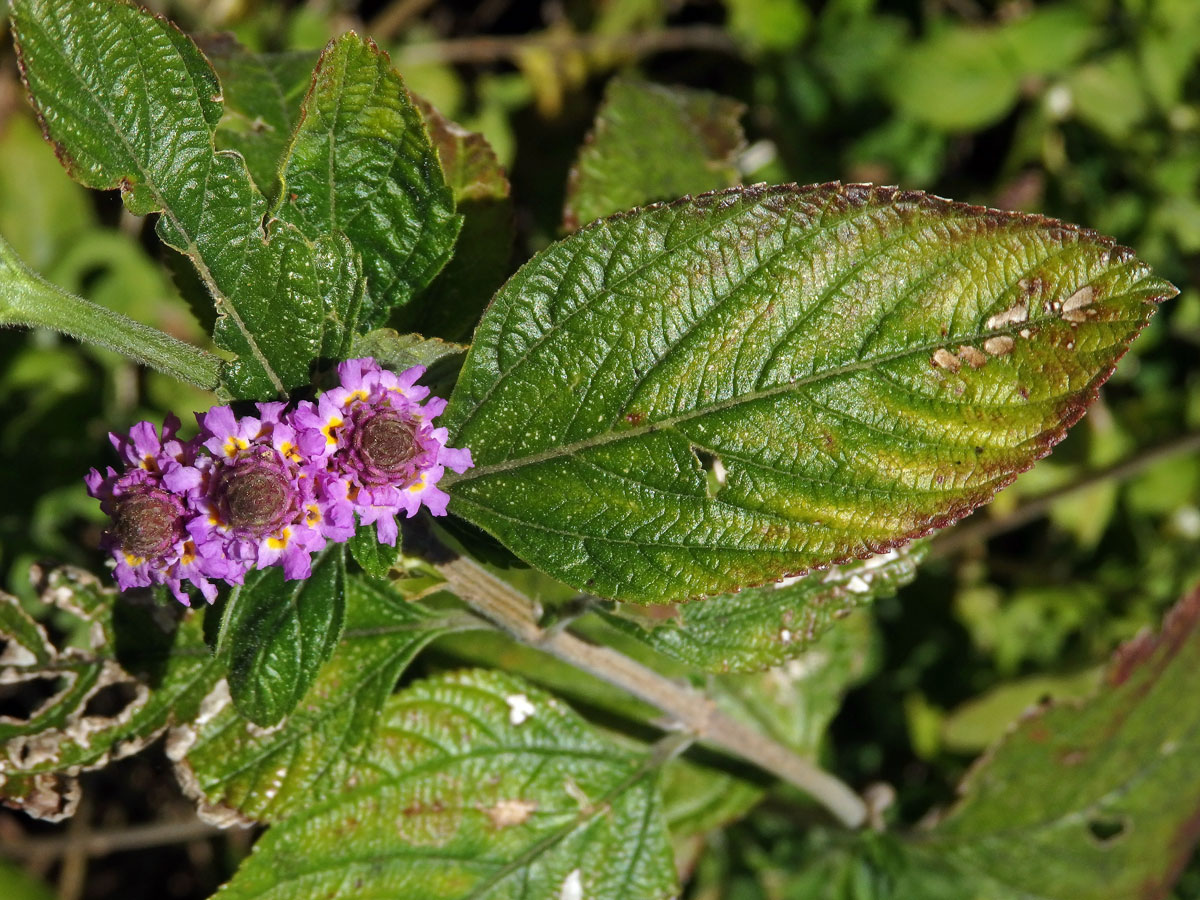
(271, 489)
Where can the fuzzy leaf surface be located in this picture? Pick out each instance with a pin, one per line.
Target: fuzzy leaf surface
(360, 162)
(652, 142)
(477, 785)
(760, 628)
(134, 671)
(131, 103)
(317, 750)
(277, 633)
(864, 364)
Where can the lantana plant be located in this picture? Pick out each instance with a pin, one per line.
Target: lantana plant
(743, 407)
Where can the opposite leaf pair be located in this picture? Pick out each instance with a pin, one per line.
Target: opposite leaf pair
(257, 491)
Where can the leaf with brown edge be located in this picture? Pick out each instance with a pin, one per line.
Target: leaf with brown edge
(689, 399)
(1088, 801)
(141, 671)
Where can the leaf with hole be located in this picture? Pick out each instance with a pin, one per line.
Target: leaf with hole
(690, 399)
(140, 670)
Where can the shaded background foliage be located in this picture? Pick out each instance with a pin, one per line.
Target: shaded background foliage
(1081, 109)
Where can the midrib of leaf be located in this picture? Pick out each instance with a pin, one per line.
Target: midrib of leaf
(707, 227)
(669, 422)
(193, 250)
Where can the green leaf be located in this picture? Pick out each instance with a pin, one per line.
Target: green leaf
(375, 557)
(130, 103)
(239, 771)
(360, 162)
(694, 398)
(452, 304)
(263, 93)
(760, 628)
(277, 633)
(983, 720)
(1091, 801)
(136, 671)
(477, 786)
(768, 24)
(652, 142)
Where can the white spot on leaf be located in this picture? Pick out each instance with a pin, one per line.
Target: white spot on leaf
(510, 812)
(519, 708)
(1014, 314)
(572, 886)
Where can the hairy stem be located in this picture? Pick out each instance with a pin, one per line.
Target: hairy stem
(513, 612)
(27, 299)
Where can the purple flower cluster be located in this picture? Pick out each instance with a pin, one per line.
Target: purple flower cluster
(271, 489)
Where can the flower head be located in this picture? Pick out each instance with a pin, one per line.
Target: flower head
(378, 439)
(148, 503)
(274, 487)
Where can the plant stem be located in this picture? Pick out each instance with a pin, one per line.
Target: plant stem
(956, 539)
(513, 613)
(29, 300)
(487, 49)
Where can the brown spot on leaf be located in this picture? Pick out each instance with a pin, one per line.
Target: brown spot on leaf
(507, 813)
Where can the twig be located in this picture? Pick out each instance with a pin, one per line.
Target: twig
(499, 48)
(393, 17)
(102, 843)
(512, 612)
(951, 542)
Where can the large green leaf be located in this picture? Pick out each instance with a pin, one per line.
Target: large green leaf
(277, 633)
(477, 786)
(269, 774)
(652, 142)
(135, 671)
(361, 162)
(690, 399)
(130, 103)
(763, 627)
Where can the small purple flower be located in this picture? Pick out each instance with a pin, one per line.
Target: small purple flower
(148, 506)
(376, 436)
(257, 496)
